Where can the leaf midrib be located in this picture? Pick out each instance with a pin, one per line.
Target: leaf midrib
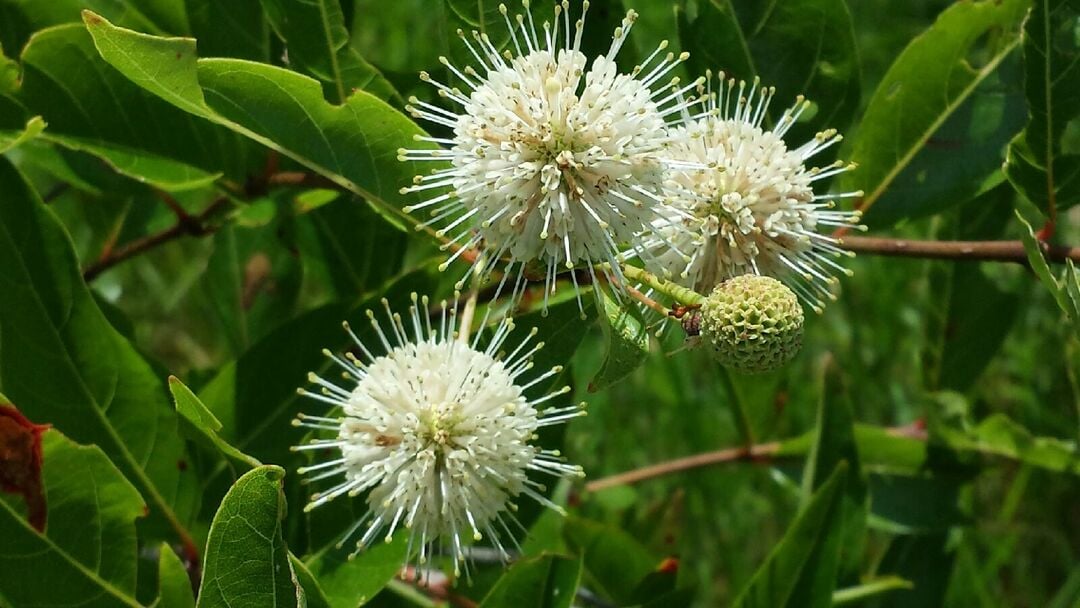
(94, 576)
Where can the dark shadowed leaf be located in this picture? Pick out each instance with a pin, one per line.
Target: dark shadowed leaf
(615, 563)
(90, 544)
(797, 571)
(64, 364)
(627, 337)
(313, 593)
(924, 562)
(353, 581)
(247, 564)
(547, 581)
(318, 43)
(236, 28)
(1040, 164)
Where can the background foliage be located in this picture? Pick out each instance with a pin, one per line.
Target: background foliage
(920, 452)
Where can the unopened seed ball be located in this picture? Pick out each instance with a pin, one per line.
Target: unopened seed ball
(752, 324)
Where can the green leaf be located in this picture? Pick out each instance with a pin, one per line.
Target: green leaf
(801, 569)
(318, 42)
(1039, 163)
(926, 85)
(349, 582)
(858, 593)
(90, 542)
(614, 561)
(92, 108)
(204, 427)
(802, 47)
(247, 563)
(1059, 289)
(547, 581)
(174, 586)
(10, 140)
(998, 435)
(922, 560)
(313, 593)
(355, 144)
(237, 28)
(9, 74)
(63, 363)
(627, 341)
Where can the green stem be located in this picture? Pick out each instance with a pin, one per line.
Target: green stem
(742, 421)
(682, 295)
(872, 588)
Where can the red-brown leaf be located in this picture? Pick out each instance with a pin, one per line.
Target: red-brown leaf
(20, 462)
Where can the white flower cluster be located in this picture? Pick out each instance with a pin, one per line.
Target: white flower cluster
(438, 432)
(555, 161)
(559, 161)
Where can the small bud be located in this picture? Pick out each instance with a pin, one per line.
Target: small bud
(754, 324)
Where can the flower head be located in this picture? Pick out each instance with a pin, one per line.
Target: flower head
(437, 430)
(754, 324)
(556, 160)
(753, 208)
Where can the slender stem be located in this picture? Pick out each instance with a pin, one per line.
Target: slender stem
(741, 418)
(987, 251)
(186, 226)
(647, 301)
(680, 294)
(759, 452)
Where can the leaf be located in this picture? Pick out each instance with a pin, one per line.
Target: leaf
(174, 586)
(615, 562)
(922, 560)
(20, 462)
(1034, 249)
(313, 592)
(204, 426)
(924, 87)
(10, 140)
(547, 581)
(797, 571)
(802, 47)
(349, 582)
(9, 74)
(877, 586)
(627, 341)
(90, 543)
(247, 563)
(237, 28)
(92, 108)
(319, 45)
(998, 435)
(1039, 163)
(355, 144)
(63, 363)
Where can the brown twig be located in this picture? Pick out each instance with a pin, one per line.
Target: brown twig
(988, 251)
(186, 225)
(759, 452)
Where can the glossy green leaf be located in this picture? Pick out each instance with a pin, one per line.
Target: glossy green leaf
(204, 427)
(802, 47)
(247, 563)
(64, 364)
(927, 84)
(615, 562)
(627, 337)
(547, 581)
(319, 45)
(801, 569)
(174, 586)
(1040, 165)
(349, 582)
(92, 108)
(90, 541)
(355, 144)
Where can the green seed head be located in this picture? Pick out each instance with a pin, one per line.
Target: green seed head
(753, 324)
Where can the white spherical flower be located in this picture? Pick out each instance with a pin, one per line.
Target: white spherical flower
(438, 432)
(753, 208)
(556, 160)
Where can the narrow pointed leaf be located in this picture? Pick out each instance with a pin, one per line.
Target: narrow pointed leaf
(174, 586)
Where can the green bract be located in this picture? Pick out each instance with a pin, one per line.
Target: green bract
(753, 324)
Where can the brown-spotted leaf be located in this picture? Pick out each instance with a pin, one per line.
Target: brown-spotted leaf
(20, 462)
